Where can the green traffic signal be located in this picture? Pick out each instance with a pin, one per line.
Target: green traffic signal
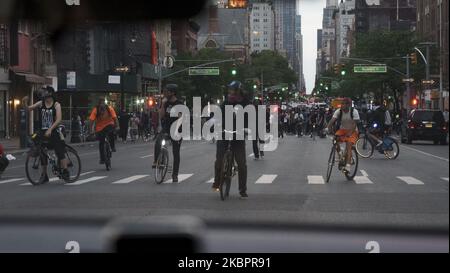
(343, 72)
(233, 72)
(255, 86)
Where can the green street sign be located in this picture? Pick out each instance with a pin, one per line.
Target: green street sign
(381, 68)
(204, 71)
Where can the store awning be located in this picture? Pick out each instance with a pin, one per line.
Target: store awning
(33, 78)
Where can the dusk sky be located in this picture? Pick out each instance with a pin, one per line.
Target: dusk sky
(312, 12)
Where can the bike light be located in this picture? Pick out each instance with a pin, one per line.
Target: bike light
(163, 143)
(375, 125)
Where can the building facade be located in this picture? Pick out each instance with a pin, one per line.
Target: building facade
(285, 11)
(345, 25)
(262, 26)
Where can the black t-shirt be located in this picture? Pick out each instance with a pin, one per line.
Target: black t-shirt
(168, 120)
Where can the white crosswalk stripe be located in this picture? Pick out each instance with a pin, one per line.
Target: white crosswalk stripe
(362, 180)
(410, 180)
(445, 178)
(210, 181)
(181, 178)
(266, 179)
(54, 179)
(11, 180)
(130, 179)
(84, 181)
(315, 180)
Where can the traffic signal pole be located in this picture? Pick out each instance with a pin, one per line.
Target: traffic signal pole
(408, 86)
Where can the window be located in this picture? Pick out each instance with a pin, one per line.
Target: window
(255, 20)
(265, 45)
(265, 20)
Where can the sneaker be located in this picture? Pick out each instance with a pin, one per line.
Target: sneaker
(347, 168)
(43, 179)
(65, 175)
(175, 179)
(244, 195)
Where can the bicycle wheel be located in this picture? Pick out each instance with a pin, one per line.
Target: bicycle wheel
(33, 169)
(74, 164)
(331, 161)
(393, 149)
(225, 181)
(108, 155)
(162, 165)
(354, 165)
(364, 147)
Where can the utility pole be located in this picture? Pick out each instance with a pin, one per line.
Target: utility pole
(408, 86)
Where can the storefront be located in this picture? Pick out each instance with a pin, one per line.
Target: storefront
(4, 87)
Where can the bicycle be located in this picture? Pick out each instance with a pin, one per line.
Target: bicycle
(162, 162)
(107, 151)
(341, 160)
(228, 170)
(313, 132)
(39, 153)
(365, 146)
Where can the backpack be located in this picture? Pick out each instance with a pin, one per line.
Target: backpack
(339, 120)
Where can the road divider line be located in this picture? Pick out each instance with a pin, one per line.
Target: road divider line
(425, 153)
(181, 178)
(266, 179)
(410, 180)
(84, 181)
(130, 179)
(11, 180)
(315, 180)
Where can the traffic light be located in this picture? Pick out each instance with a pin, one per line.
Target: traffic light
(234, 70)
(343, 70)
(337, 69)
(255, 86)
(413, 58)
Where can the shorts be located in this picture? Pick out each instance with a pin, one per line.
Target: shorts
(351, 139)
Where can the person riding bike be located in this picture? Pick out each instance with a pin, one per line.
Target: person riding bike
(104, 118)
(169, 101)
(379, 120)
(50, 117)
(347, 128)
(313, 120)
(235, 97)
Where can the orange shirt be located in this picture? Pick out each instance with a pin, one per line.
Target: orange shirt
(103, 121)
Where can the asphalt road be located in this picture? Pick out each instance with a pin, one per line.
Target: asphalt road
(286, 185)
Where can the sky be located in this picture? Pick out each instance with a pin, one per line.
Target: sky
(312, 13)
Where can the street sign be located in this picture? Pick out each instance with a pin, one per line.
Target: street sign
(428, 82)
(408, 80)
(378, 68)
(71, 79)
(204, 71)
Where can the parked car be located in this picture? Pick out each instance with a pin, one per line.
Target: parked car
(425, 125)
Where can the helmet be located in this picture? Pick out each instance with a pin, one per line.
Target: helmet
(171, 87)
(235, 85)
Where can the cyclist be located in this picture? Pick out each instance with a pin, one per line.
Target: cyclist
(170, 100)
(104, 118)
(381, 117)
(347, 130)
(313, 121)
(235, 97)
(50, 117)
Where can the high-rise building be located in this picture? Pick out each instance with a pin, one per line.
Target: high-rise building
(285, 11)
(299, 53)
(262, 26)
(345, 25)
(328, 40)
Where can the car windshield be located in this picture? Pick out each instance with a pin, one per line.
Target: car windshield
(257, 65)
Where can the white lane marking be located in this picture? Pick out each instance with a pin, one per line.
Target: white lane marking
(11, 180)
(84, 181)
(410, 180)
(362, 180)
(266, 179)
(130, 179)
(428, 154)
(181, 178)
(315, 179)
(147, 156)
(54, 179)
(210, 181)
(364, 173)
(445, 178)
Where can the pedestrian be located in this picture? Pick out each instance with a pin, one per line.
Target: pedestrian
(123, 123)
(134, 127)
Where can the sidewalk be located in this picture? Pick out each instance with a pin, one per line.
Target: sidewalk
(12, 146)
